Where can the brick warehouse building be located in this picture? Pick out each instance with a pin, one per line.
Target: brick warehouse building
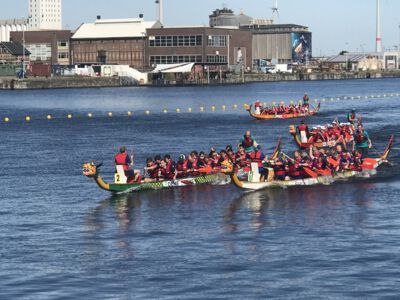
(46, 46)
(119, 41)
(201, 45)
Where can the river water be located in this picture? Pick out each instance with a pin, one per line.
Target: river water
(62, 237)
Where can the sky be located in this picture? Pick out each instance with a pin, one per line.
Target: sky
(336, 25)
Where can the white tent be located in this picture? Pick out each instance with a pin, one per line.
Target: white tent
(174, 68)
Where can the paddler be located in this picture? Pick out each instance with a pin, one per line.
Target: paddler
(258, 107)
(258, 157)
(351, 116)
(361, 141)
(248, 143)
(123, 159)
(169, 170)
(306, 101)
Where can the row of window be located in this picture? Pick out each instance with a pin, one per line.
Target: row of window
(216, 58)
(176, 41)
(186, 41)
(174, 59)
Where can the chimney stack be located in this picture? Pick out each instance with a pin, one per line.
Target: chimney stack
(378, 27)
(160, 11)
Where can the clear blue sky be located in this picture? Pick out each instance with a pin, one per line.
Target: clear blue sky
(336, 25)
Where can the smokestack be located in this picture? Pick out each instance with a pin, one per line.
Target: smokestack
(161, 11)
(378, 27)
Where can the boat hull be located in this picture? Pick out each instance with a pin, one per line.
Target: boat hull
(158, 185)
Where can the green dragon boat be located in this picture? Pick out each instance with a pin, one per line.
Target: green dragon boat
(92, 171)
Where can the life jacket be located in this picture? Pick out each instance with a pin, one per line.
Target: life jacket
(303, 127)
(360, 137)
(169, 172)
(294, 170)
(279, 170)
(120, 160)
(256, 157)
(181, 167)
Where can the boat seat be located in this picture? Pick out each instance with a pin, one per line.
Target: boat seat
(254, 174)
(119, 177)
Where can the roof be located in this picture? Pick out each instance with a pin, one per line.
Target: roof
(355, 57)
(13, 22)
(114, 28)
(174, 68)
(15, 48)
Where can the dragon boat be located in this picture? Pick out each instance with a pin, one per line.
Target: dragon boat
(318, 144)
(369, 168)
(282, 116)
(92, 171)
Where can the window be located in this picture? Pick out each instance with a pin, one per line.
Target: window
(216, 40)
(176, 41)
(216, 58)
(62, 43)
(173, 59)
(63, 55)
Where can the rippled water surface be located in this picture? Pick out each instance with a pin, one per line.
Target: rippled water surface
(62, 237)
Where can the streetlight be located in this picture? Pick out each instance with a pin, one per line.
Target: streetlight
(23, 48)
(144, 50)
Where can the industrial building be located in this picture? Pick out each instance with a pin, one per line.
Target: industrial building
(46, 46)
(6, 26)
(112, 41)
(226, 17)
(200, 45)
(45, 15)
(13, 53)
(280, 43)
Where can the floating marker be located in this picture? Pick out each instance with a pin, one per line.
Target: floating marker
(49, 117)
(27, 118)
(213, 108)
(201, 108)
(69, 116)
(6, 120)
(90, 115)
(178, 110)
(190, 109)
(110, 114)
(129, 113)
(147, 112)
(165, 111)
(235, 106)
(223, 107)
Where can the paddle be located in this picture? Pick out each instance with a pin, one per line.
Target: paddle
(332, 162)
(205, 170)
(324, 172)
(310, 172)
(370, 161)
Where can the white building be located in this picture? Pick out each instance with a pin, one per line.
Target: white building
(45, 14)
(6, 26)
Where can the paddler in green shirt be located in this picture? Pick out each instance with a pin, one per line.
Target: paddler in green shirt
(351, 116)
(361, 141)
(248, 142)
